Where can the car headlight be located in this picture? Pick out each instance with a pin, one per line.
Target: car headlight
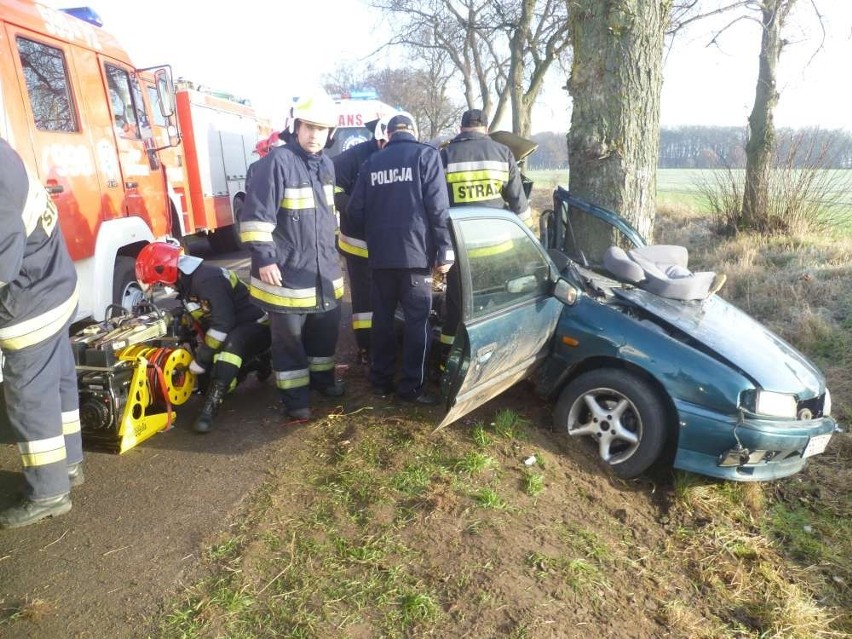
(770, 403)
(826, 403)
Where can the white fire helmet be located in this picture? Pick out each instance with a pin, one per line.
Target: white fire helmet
(318, 109)
(381, 132)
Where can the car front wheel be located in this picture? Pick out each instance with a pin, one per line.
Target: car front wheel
(621, 412)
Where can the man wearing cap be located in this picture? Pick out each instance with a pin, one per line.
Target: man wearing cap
(480, 172)
(351, 244)
(400, 203)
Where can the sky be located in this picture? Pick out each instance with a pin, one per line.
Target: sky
(270, 51)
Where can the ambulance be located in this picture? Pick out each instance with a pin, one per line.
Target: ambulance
(355, 110)
(126, 158)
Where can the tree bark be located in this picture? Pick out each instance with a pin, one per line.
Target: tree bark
(615, 84)
(761, 122)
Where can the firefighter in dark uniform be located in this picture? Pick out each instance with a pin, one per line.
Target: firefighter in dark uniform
(38, 300)
(288, 223)
(480, 172)
(351, 245)
(400, 202)
(235, 331)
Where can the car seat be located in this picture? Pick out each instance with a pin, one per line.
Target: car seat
(662, 269)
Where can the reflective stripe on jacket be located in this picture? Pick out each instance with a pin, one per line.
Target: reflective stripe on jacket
(346, 168)
(484, 172)
(288, 219)
(38, 283)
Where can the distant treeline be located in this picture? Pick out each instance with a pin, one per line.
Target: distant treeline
(711, 147)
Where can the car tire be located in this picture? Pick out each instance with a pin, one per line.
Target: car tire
(126, 291)
(621, 412)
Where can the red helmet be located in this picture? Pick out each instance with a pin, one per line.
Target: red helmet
(157, 263)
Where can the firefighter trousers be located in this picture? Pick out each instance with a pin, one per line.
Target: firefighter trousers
(303, 346)
(412, 290)
(359, 291)
(243, 344)
(46, 423)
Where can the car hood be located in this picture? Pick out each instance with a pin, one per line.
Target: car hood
(732, 335)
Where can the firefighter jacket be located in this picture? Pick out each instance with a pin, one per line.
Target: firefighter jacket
(400, 203)
(288, 219)
(219, 301)
(38, 283)
(482, 171)
(346, 168)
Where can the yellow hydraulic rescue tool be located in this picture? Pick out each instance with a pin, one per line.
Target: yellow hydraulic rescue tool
(131, 370)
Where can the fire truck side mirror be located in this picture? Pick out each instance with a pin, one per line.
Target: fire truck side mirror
(165, 91)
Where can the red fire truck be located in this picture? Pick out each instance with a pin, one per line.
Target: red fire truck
(125, 157)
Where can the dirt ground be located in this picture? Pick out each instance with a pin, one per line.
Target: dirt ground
(139, 522)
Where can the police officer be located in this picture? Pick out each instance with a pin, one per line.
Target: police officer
(483, 172)
(38, 300)
(400, 201)
(351, 244)
(288, 223)
(235, 331)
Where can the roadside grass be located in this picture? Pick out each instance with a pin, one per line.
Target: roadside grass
(392, 535)
(395, 531)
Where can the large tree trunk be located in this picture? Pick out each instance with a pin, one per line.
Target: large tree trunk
(761, 124)
(615, 84)
(520, 110)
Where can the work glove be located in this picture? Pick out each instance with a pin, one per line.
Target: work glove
(195, 367)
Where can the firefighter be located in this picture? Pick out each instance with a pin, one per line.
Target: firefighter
(351, 245)
(235, 331)
(288, 223)
(400, 203)
(480, 172)
(38, 301)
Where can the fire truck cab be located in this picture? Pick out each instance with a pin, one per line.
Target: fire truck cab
(79, 114)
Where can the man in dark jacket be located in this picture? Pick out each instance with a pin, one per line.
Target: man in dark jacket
(480, 172)
(38, 300)
(288, 224)
(400, 202)
(234, 331)
(352, 245)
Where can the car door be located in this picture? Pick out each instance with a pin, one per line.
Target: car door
(508, 313)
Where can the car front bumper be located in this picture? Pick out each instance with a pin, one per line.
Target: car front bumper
(713, 444)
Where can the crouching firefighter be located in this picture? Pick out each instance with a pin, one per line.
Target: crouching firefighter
(235, 332)
(38, 300)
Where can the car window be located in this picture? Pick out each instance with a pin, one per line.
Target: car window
(506, 265)
(124, 112)
(48, 86)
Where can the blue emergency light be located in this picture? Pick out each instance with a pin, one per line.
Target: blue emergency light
(86, 14)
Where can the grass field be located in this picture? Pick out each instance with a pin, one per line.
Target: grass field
(682, 187)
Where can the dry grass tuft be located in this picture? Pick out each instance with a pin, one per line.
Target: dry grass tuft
(684, 621)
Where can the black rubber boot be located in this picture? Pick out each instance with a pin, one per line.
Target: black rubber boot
(30, 511)
(264, 367)
(212, 401)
